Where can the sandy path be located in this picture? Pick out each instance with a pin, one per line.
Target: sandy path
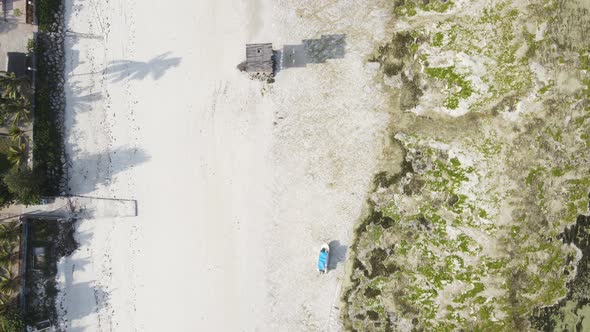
(237, 183)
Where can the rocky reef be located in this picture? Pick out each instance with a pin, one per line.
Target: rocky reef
(469, 225)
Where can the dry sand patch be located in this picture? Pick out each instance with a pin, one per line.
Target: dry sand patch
(238, 182)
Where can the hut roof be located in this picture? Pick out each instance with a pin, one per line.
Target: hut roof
(259, 58)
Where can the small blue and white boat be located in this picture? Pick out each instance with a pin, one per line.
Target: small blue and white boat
(323, 259)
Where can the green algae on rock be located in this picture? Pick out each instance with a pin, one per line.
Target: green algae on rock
(490, 104)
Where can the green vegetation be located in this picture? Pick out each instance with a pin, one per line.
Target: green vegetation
(16, 155)
(24, 183)
(46, 14)
(11, 321)
(10, 318)
(15, 109)
(58, 241)
(31, 45)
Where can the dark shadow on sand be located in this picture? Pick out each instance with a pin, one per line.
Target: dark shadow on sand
(337, 254)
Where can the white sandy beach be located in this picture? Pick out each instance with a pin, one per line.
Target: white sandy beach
(237, 182)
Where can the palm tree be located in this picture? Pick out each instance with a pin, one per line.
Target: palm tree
(10, 231)
(17, 134)
(6, 256)
(5, 304)
(22, 114)
(19, 109)
(14, 86)
(16, 154)
(9, 283)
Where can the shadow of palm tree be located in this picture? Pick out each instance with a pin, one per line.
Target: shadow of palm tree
(7, 24)
(99, 169)
(81, 98)
(120, 70)
(91, 298)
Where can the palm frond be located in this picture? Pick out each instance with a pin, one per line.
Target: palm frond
(9, 284)
(16, 134)
(16, 154)
(10, 229)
